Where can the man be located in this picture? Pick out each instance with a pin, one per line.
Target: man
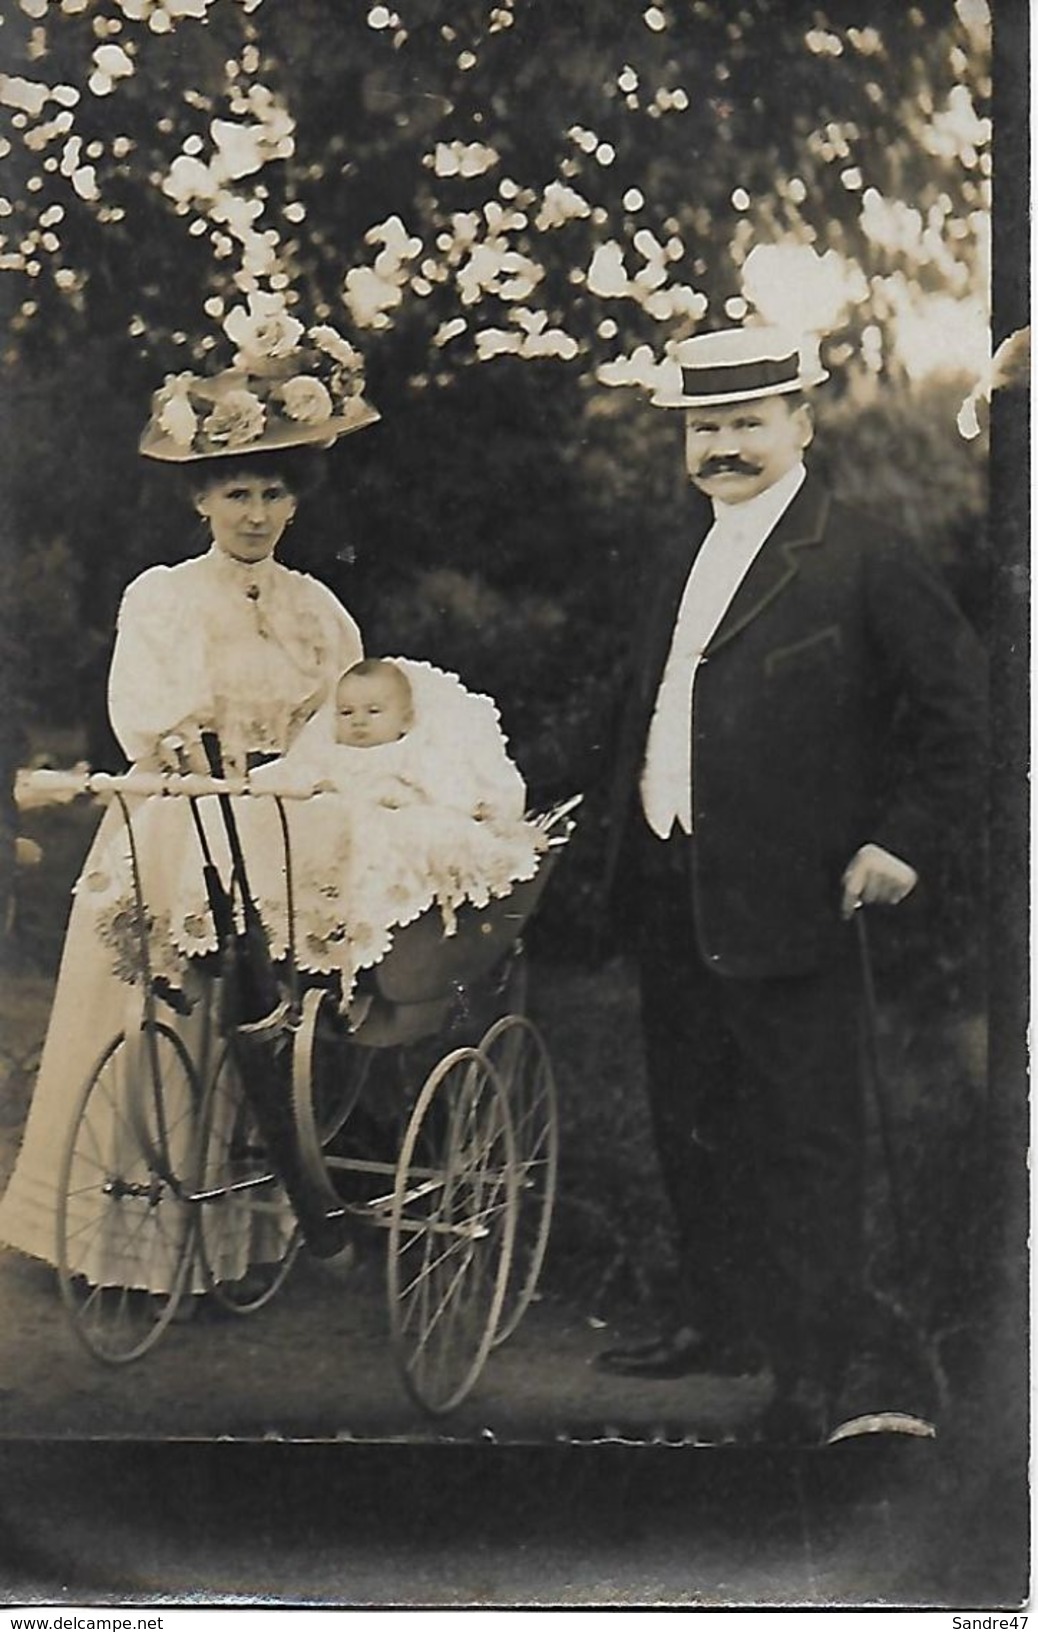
(754, 810)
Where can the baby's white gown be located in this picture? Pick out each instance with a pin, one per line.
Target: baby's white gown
(252, 651)
(431, 821)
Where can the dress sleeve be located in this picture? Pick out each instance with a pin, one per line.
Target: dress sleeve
(157, 678)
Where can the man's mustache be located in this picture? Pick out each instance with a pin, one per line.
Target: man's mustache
(732, 466)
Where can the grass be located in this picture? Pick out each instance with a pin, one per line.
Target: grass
(611, 1242)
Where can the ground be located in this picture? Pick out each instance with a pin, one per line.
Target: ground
(236, 1464)
(316, 1362)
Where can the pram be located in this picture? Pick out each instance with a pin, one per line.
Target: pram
(206, 1147)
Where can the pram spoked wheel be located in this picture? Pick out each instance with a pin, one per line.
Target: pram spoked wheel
(516, 1048)
(125, 1234)
(451, 1229)
(328, 1077)
(248, 1238)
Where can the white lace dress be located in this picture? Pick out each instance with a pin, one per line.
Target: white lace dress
(250, 651)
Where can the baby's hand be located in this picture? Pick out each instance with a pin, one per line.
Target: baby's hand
(399, 792)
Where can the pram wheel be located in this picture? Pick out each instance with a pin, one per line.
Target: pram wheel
(248, 1237)
(125, 1234)
(328, 1077)
(515, 1047)
(451, 1230)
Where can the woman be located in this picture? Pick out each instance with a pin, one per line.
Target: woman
(230, 642)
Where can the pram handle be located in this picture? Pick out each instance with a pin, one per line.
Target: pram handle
(57, 787)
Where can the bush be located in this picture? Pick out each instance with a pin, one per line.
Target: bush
(41, 641)
(901, 456)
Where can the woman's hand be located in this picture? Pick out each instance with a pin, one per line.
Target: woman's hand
(180, 752)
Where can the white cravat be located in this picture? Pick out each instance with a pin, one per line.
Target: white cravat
(725, 557)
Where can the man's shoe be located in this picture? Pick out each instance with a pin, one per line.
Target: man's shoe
(893, 1396)
(910, 1423)
(681, 1353)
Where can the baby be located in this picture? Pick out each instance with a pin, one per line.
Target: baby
(373, 704)
(374, 708)
(418, 805)
(452, 753)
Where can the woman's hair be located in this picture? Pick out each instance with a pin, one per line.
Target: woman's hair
(301, 469)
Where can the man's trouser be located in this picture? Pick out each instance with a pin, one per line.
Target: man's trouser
(756, 1096)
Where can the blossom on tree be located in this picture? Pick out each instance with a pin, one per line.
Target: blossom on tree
(262, 328)
(601, 203)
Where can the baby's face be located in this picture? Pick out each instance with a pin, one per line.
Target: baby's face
(371, 709)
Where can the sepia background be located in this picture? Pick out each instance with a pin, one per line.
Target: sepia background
(511, 209)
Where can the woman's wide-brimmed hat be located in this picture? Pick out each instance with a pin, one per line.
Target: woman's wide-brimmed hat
(307, 397)
(735, 365)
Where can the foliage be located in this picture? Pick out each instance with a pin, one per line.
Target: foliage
(899, 455)
(507, 208)
(40, 643)
(567, 180)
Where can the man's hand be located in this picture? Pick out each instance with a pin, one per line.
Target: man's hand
(874, 877)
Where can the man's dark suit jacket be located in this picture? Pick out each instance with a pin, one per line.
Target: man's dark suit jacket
(838, 633)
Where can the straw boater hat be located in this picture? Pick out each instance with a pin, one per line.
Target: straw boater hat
(734, 365)
(308, 396)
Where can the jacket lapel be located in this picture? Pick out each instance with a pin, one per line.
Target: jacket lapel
(776, 566)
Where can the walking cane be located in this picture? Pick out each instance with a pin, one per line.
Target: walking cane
(881, 1095)
(885, 1115)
